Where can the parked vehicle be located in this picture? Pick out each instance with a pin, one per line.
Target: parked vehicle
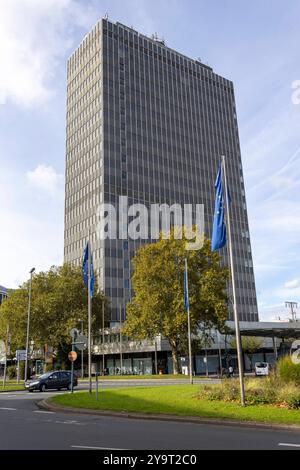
(262, 369)
(52, 381)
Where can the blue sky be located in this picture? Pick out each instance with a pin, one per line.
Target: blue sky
(256, 44)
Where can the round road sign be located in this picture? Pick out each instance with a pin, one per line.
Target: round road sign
(72, 356)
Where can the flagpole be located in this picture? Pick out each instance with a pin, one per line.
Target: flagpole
(121, 345)
(103, 338)
(189, 324)
(89, 319)
(236, 318)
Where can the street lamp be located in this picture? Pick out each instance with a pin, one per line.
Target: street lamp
(28, 322)
(82, 372)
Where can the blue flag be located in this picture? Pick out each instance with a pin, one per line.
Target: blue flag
(186, 288)
(219, 236)
(85, 269)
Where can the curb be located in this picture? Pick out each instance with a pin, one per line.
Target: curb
(47, 405)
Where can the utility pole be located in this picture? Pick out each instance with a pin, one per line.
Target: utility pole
(292, 306)
(28, 323)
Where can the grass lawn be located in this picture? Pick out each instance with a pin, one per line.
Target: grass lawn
(177, 400)
(11, 387)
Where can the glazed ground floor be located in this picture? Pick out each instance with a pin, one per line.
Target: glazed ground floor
(204, 363)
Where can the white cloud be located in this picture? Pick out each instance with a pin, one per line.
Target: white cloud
(32, 233)
(34, 36)
(45, 178)
(292, 284)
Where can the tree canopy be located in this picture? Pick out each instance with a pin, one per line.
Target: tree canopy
(158, 282)
(59, 301)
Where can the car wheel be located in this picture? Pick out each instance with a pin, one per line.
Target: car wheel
(43, 388)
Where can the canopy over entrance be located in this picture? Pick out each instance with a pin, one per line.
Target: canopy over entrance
(288, 330)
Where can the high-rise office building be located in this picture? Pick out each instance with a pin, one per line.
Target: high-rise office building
(149, 123)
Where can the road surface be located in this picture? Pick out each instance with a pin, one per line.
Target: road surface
(24, 426)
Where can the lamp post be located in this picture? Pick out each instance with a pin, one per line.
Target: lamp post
(28, 323)
(82, 371)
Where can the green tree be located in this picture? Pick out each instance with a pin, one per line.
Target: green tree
(250, 345)
(158, 304)
(59, 300)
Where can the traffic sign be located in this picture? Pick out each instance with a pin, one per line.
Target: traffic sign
(74, 333)
(2, 352)
(72, 356)
(21, 355)
(81, 342)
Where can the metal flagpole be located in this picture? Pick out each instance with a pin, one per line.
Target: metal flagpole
(121, 346)
(103, 337)
(155, 357)
(89, 319)
(236, 318)
(189, 324)
(220, 354)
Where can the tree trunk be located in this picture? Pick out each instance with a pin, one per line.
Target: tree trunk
(175, 359)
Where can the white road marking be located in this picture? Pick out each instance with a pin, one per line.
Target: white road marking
(96, 448)
(9, 409)
(45, 412)
(282, 444)
(66, 422)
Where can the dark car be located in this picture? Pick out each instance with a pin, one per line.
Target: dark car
(52, 381)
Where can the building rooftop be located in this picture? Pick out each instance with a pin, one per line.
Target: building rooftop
(268, 329)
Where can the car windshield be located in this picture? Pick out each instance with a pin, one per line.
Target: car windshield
(261, 365)
(45, 376)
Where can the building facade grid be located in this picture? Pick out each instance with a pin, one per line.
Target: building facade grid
(146, 122)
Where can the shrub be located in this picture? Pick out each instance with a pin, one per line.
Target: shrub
(289, 395)
(288, 372)
(293, 402)
(267, 391)
(11, 372)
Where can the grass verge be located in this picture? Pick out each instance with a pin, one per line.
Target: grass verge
(179, 400)
(11, 388)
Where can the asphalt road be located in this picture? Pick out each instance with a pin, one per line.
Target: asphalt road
(24, 426)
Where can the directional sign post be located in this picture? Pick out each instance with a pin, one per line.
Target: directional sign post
(20, 356)
(81, 342)
(72, 358)
(73, 355)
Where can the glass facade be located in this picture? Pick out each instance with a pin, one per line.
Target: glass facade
(3, 294)
(146, 122)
